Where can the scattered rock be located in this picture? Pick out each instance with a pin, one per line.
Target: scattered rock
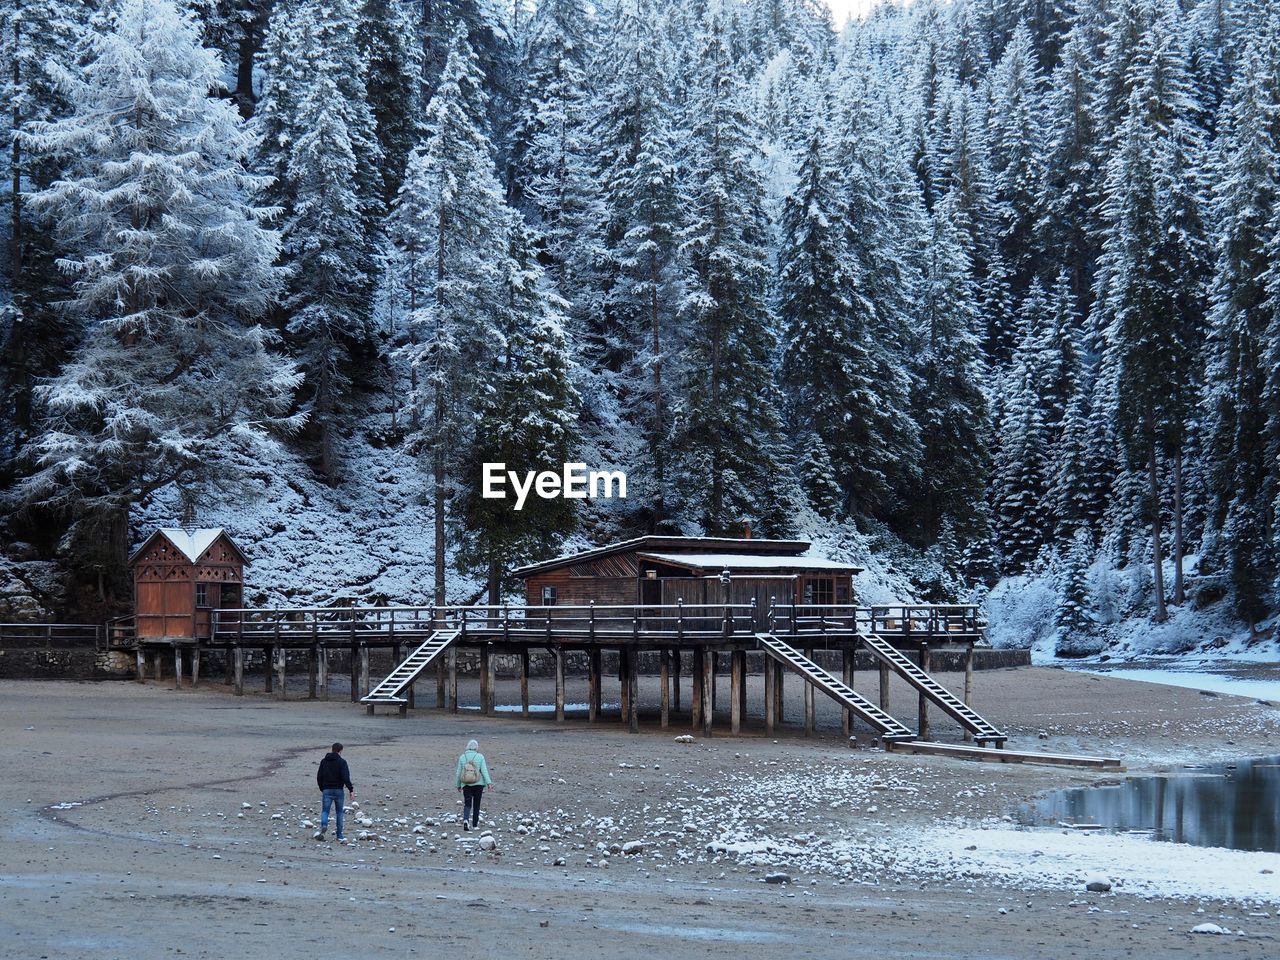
(487, 842)
(633, 846)
(684, 738)
(778, 877)
(1211, 928)
(1097, 885)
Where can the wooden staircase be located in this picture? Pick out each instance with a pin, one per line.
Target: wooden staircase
(983, 731)
(389, 691)
(862, 708)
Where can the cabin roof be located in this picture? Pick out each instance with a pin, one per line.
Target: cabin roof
(672, 545)
(192, 544)
(700, 563)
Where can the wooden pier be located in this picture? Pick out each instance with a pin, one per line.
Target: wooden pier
(428, 639)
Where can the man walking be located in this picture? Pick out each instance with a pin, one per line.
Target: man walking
(331, 776)
(472, 777)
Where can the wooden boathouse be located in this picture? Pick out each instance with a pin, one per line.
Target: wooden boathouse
(695, 605)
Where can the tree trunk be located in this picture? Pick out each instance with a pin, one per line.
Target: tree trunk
(1179, 590)
(495, 582)
(1157, 549)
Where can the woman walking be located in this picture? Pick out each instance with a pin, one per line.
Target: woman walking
(472, 776)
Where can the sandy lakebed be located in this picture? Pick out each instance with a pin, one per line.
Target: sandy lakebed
(144, 821)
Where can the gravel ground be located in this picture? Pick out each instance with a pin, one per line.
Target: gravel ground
(148, 822)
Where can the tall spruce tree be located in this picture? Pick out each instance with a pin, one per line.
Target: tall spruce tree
(169, 262)
(729, 438)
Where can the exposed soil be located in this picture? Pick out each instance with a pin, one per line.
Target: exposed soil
(128, 834)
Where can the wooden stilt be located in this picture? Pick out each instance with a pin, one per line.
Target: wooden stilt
(195, 666)
(737, 668)
(411, 695)
(846, 674)
(968, 682)
(268, 667)
(364, 671)
(593, 684)
(633, 690)
(141, 656)
(355, 675)
(924, 701)
(493, 680)
(675, 680)
(237, 668)
(524, 681)
(226, 666)
(485, 668)
(313, 671)
(559, 664)
(779, 689)
(695, 701)
(708, 688)
(714, 656)
(770, 700)
(282, 656)
(884, 688)
(664, 674)
(442, 698)
(322, 673)
(624, 688)
(177, 668)
(742, 687)
(810, 706)
(451, 691)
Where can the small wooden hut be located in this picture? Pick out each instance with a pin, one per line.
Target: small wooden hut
(180, 577)
(693, 570)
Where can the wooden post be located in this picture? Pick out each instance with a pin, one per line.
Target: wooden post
(770, 700)
(559, 664)
(924, 701)
(664, 674)
(364, 670)
(237, 668)
(195, 665)
(633, 690)
(524, 681)
(742, 687)
(884, 687)
(708, 702)
(226, 665)
(157, 664)
(846, 674)
(268, 667)
(411, 696)
(810, 706)
(493, 680)
(282, 657)
(714, 657)
(141, 656)
(624, 688)
(779, 688)
(737, 667)
(675, 680)
(322, 673)
(313, 671)
(968, 682)
(355, 675)
(695, 701)
(452, 689)
(442, 698)
(177, 668)
(593, 684)
(485, 668)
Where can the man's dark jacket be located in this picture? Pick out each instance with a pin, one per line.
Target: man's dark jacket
(332, 774)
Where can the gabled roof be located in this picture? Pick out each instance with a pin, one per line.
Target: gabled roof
(681, 545)
(711, 563)
(192, 544)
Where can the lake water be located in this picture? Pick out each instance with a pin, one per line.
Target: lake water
(1234, 805)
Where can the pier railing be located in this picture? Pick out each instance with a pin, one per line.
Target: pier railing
(677, 623)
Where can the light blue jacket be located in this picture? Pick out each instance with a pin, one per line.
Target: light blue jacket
(483, 767)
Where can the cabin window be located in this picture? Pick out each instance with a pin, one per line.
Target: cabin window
(548, 596)
(842, 593)
(819, 591)
(202, 595)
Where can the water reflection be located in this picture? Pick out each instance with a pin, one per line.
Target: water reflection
(1220, 805)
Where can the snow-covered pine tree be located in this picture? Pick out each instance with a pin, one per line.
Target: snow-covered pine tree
(728, 438)
(526, 417)
(1021, 464)
(1080, 478)
(393, 84)
(449, 219)
(1073, 613)
(949, 405)
(37, 37)
(1015, 136)
(170, 262)
(1243, 483)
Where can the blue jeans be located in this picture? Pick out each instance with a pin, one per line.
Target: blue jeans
(471, 795)
(335, 798)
